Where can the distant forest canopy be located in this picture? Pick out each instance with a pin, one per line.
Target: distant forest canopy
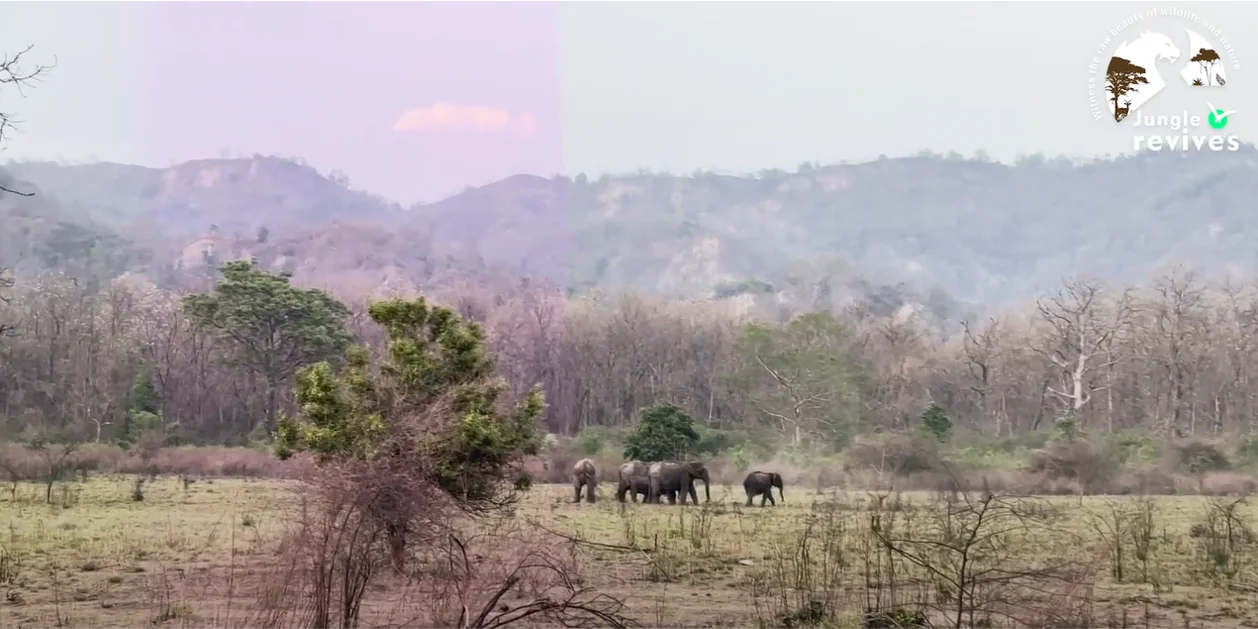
(1001, 292)
(1173, 357)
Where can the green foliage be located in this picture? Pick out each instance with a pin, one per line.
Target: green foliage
(437, 371)
(934, 423)
(741, 458)
(1247, 452)
(663, 432)
(272, 327)
(45, 439)
(1199, 457)
(591, 440)
(1132, 447)
(1067, 429)
(801, 377)
(713, 441)
(145, 413)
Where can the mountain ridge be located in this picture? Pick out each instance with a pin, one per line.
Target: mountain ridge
(973, 230)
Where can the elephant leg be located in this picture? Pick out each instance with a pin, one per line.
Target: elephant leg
(672, 496)
(576, 487)
(694, 494)
(772, 502)
(620, 492)
(749, 497)
(764, 498)
(589, 491)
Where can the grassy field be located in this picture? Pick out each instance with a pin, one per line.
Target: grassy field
(198, 554)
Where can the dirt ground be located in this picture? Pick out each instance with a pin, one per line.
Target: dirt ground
(201, 554)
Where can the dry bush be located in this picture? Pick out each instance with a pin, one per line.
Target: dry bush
(1228, 484)
(513, 574)
(557, 465)
(959, 560)
(896, 454)
(1199, 457)
(1079, 460)
(21, 464)
(363, 526)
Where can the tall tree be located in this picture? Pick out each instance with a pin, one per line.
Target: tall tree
(664, 432)
(434, 394)
(270, 327)
(13, 74)
(6, 282)
(800, 376)
(1080, 321)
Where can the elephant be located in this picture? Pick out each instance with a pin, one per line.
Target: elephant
(671, 478)
(634, 486)
(584, 474)
(632, 479)
(761, 484)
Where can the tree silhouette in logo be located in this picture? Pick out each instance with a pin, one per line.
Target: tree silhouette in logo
(1206, 58)
(1121, 78)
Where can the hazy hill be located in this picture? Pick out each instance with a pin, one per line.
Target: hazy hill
(981, 231)
(186, 199)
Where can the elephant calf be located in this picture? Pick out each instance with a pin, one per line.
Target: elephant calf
(634, 486)
(626, 480)
(761, 484)
(584, 474)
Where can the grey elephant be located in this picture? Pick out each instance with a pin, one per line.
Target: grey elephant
(635, 486)
(584, 474)
(670, 478)
(632, 478)
(761, 484)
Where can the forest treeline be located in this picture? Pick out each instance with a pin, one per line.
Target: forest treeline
(1174, 357)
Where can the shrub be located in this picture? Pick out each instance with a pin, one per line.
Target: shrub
(899, 454)
(1079, 460)
(1132, 447)
(591, 439)
(714, 441)
(664, 432)
(934, 423)
(1198, 457)
(1247, 452)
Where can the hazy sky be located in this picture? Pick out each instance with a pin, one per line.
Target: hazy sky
(417, 100)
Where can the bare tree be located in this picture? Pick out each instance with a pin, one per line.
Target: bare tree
(13, 74)
(7, 282)
(980, 354)
(1081, 323)
(1178, 322)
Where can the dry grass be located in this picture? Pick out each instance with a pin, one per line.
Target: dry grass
(205, 552)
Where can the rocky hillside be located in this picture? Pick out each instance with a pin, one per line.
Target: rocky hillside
(913, 229)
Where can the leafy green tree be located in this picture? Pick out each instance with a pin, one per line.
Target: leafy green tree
(800, 378)
(145, 413)
(271, 327)
(433, 394)
(1067, 428)
(934, 423)
(663, 432)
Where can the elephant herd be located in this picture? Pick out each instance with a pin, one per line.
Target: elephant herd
(674, 479)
